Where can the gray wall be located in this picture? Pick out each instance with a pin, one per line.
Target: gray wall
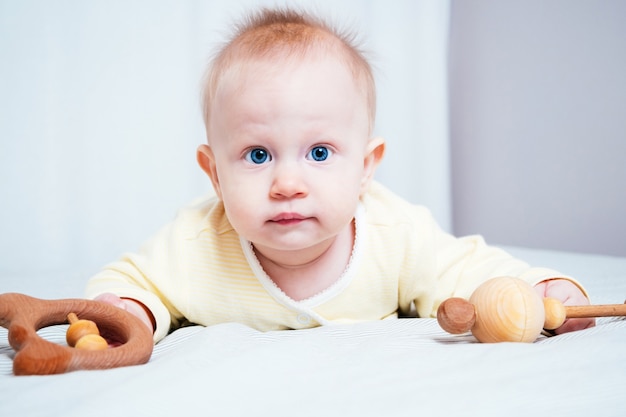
(538, 123)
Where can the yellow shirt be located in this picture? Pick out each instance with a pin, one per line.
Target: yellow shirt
(198, 269)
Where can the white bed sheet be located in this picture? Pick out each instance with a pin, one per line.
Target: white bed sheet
(387, 368)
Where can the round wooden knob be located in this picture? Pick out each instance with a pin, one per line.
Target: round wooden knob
(23, 316)
(456, 315)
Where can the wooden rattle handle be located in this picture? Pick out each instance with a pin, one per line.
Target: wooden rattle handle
(600, 310)
(556, 312)
(23, 316)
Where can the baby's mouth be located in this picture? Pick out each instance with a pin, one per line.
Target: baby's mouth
(288, 218)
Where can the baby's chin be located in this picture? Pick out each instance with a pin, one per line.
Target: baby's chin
(296, 249)
(293, 248)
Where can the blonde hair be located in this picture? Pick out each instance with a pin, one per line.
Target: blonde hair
(287, 33)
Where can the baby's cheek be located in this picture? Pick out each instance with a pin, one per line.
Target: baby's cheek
(244, 217)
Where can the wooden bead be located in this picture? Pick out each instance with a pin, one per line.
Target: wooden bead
(507, 310)
(92, 342)
(555, 313)
(84, 334)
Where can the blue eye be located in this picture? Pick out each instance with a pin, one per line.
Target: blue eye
(319, 153)
(258, 156)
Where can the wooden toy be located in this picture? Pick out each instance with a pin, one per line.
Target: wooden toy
(84, 334)
(508, 309)
(23, 316)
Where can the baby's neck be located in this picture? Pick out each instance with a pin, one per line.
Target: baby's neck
(304, 275)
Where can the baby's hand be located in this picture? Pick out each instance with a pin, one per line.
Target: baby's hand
(569, 294)
(133, 307)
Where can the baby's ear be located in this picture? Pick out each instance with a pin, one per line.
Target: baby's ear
(206, 160)
(374, 152)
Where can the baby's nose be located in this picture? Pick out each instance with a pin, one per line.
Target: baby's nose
(288, 183)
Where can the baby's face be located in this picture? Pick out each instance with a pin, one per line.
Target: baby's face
(289, 144)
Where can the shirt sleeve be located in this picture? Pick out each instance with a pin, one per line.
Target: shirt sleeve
(457, 266)
(144, 276)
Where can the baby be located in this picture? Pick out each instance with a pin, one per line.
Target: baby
(299, 235)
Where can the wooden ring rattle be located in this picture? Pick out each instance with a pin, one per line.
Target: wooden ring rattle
(23, 316)
(508, 309)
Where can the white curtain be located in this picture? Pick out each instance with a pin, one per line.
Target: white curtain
(100, 119)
